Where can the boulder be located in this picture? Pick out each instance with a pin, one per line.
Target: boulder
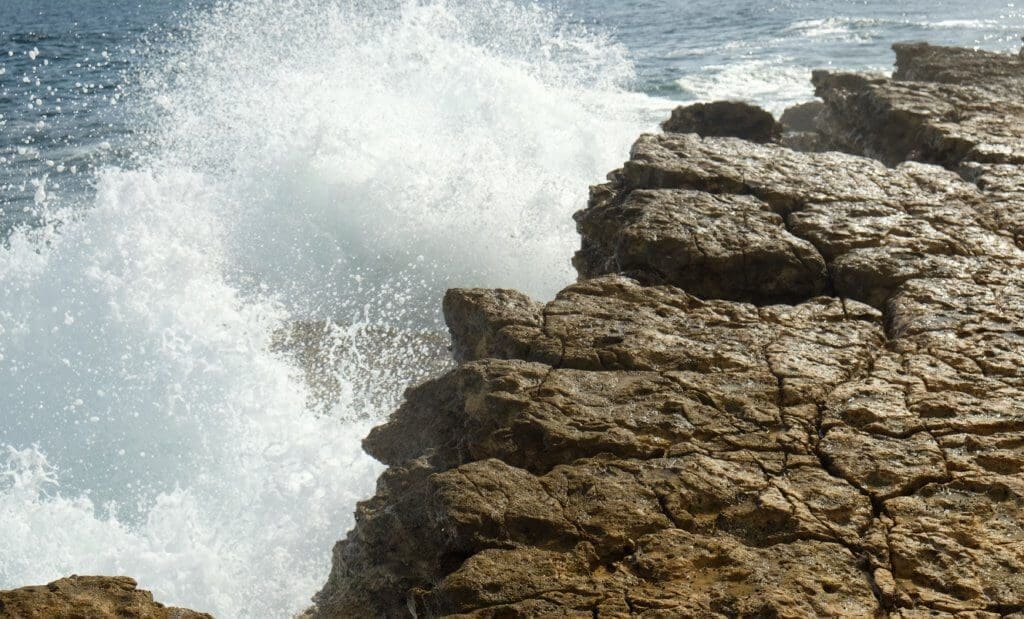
(802, 117)
(725, 119)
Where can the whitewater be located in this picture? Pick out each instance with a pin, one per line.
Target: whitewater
(304, 160)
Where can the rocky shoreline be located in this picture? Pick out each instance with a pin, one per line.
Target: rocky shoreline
(788, 382)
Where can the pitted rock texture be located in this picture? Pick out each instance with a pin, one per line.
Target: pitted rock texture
(88, 597)
(776, 225)
(787, 384)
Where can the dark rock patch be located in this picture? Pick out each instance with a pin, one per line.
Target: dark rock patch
(725, 119)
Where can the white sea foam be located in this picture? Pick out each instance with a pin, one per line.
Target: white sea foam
(773, 83)
(306, 159)
(859, 29)
(839, 28)
(971, 24)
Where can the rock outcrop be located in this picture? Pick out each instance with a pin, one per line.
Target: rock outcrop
(787, 384)
(942, 105)
(957, 108)
(88, 597)
(733, 119)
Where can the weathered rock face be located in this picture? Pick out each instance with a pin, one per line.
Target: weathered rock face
(961, 109)
(778, 225)
(800, 127)
(802, 117)
(88, 597)
(942, 105)
(734, 119)
(787, 384)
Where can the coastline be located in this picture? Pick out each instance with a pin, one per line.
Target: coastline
(787, 383)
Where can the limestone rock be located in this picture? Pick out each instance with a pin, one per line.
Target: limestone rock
(843, 224)
(88, 597)
(942, 105)
(958, 108)
(723, 247)
(786, 384)
(475, 317)
(800, 127)
(921, 62)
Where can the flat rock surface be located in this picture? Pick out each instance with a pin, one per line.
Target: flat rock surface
(88, 597)
(787, 384)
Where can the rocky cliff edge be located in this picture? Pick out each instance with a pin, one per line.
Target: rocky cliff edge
(787, 383)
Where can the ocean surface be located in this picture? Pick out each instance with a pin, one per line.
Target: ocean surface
(180, 182)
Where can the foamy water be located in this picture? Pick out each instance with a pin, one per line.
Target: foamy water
(300, 160)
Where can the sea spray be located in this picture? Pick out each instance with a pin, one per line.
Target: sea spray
(398, 150)
(303, 160)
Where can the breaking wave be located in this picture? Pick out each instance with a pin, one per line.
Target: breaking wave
(297, 161)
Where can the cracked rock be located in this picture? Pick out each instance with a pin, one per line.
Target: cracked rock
(786, 384)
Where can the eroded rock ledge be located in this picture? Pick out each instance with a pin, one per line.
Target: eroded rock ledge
(787, 384)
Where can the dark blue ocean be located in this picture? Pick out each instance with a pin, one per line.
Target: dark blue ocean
(181, 181)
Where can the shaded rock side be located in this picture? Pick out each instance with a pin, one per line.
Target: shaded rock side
(734, 119)
(800, 127)
(88, 597)
(802, 117)
(787, 384)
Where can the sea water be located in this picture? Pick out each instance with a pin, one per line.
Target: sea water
(181, 182)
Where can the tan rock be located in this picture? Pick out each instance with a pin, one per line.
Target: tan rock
(88, 597)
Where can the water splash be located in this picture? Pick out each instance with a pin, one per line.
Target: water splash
(313, 160)
(434, 144)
